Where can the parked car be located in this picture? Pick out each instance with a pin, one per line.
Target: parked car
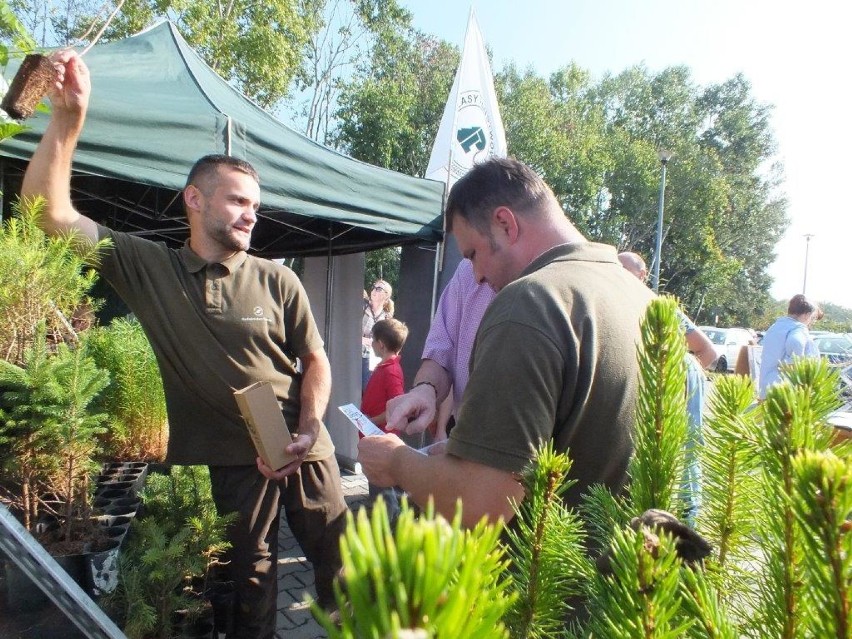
(835, 347)
(727, 343)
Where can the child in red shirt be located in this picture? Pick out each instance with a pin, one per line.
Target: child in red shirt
(385, 383)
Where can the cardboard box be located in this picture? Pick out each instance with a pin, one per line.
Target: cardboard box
(265, 423)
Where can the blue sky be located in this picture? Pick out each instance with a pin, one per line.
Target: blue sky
(796, 55)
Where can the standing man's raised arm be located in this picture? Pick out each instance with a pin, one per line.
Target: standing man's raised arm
(49, 172)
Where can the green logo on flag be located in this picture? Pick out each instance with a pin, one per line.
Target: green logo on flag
(472, 136)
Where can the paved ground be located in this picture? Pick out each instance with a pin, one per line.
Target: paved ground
(296, 577)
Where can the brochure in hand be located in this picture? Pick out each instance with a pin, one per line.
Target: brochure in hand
(360, 420)
(367, 428)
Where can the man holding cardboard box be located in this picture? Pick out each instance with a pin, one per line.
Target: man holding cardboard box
(219, 320)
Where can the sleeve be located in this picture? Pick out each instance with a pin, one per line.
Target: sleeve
(442, 340)
(125, 265)
(686, 324)
(510, 402)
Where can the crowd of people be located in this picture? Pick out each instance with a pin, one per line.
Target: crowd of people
(534, 340)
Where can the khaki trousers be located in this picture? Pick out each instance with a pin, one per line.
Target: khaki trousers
(312, 499)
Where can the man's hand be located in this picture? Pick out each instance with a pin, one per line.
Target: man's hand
(300, 448)
(70, 95)
(413, 412)
(375, 455)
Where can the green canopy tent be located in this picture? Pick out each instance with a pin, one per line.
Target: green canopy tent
(156, 107)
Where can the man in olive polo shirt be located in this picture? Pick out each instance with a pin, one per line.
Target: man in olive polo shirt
(218, 320)
(554, 357)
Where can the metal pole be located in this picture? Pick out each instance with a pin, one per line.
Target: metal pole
(655, 279)
(808, 237)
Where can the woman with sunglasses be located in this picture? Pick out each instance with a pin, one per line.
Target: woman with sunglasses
(378, 305)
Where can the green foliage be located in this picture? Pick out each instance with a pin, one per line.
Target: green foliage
(180, 538)
(27, 448)
(546, 544)
(641, 596)
(45, 421)
(660, 433)
(256, 45)
(73, 386)
(427, 574)
(382, 264)
(729, 461)
(13, 31)
(391, 107)
(42, 279)
(134, 400)
(823, 509)
(794, 414)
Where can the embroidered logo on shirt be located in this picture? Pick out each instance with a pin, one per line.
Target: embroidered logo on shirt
(258, 316)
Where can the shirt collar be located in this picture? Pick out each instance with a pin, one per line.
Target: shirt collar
(194, 263)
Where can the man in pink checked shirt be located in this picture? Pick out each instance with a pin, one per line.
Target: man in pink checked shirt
(446, 355)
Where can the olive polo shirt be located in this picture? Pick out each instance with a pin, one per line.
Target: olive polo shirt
(555, 359)
(215, 328)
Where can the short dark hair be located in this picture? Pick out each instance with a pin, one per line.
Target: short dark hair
(494, 183)
(206, 166)
(799, 304)
(392, 333)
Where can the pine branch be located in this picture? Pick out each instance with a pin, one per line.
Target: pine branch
(428, 574)
(823, 506)
(546, 546)
(660, 435)
(641, 598)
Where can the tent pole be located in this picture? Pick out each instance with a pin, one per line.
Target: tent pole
(228, 136)
(439, 247)
(329, 282)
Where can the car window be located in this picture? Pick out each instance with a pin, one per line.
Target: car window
(833, 344)
(717, 337)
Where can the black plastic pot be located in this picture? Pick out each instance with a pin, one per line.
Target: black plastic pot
(223, 597)
(23, 595)
(102, 568)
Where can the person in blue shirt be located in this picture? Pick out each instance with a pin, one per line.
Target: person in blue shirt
(787, 338)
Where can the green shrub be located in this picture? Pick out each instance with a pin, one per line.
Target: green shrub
(134, 400)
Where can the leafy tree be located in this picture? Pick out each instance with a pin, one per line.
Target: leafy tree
(390, 109)
(257, 46)
(596, 144)
(330, 55)
(382, 264)
(58, 22)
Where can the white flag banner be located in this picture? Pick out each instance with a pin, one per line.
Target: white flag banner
(471, 130)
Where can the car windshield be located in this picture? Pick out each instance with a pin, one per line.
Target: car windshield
(715, 336)
(834, 344)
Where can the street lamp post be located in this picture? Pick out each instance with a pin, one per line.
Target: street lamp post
(808, 237)
(664, 156)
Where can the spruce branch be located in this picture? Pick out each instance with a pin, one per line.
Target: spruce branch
(729, 459)
(793, 413)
